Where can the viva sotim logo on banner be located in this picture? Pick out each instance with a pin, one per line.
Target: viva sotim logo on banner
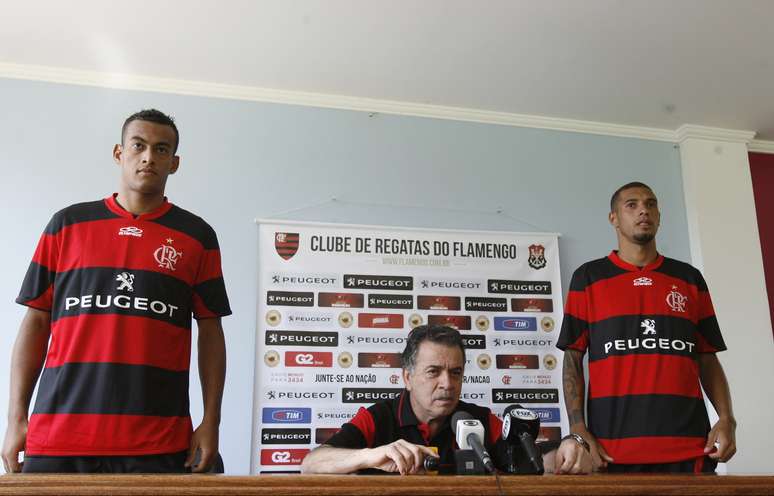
(287, 415)
(515, 324)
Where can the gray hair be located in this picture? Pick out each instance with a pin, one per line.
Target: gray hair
(444, 335)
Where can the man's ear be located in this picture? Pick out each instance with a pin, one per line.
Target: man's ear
(175, 164)
(406, 379)
(117, 151)
(613, 219)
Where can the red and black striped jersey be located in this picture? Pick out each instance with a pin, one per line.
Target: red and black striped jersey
(121, 290)
(643, 329)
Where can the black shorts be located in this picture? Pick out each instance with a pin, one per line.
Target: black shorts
(701, 465)
(168, 463)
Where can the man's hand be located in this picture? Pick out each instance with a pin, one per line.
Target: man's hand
(599, 457)
(15, 438)
(572, 458)
(723, 434)
(27, 358)
(715, 384)
(399, 456)
(204, 440)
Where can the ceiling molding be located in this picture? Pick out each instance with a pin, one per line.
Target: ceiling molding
(250, 93)
(692, 131)
(760, 146)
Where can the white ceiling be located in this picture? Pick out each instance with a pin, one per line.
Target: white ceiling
(653, 63)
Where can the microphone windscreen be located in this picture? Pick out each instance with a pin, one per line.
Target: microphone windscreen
(457, 417)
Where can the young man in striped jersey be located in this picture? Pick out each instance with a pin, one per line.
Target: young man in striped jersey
(648, 324)
(110, 293)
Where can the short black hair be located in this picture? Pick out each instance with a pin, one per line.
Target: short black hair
(152, 115)
(444, 335)
(633, 184)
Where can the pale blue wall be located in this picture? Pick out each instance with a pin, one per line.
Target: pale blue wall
(242, 160)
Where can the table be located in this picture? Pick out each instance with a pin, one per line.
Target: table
(338, 485)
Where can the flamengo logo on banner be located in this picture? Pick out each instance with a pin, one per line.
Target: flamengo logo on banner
(369, 395)
(283, 456)
(308, 359)
(286, 436)
(525, 395)
(357, 281)
(302, 338)
(286, 415)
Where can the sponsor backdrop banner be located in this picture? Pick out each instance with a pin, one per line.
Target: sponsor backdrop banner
(337, 301)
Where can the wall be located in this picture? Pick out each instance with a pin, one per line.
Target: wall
(242, 160)
(725, 246)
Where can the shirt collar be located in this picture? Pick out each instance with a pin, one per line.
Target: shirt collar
(406, 415)
(655, 264)
(113, 206)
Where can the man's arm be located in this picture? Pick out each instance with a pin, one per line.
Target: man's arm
(574, 385)
(715, 384)
(399, 456)
(212, 374)
(27, 358)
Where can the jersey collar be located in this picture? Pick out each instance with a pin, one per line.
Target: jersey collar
(117, 209)
(406, 416)
(633, 268)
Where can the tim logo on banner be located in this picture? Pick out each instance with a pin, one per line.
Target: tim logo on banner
(286, 244)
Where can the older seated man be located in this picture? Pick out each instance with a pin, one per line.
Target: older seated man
(397, 435)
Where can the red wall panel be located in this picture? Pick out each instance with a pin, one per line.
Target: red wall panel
(762, 171)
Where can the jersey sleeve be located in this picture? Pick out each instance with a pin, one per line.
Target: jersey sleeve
(575, 325)
(495, 428)
(38, 287)
(209, 291)
(709, 337)
(358, 433)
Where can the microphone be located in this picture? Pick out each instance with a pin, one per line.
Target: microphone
(520, 428)
(431, 464)
(470, 435)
